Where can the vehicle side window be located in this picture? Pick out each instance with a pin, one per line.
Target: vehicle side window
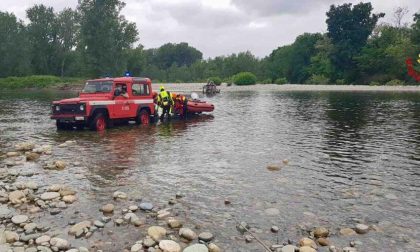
(140, 89)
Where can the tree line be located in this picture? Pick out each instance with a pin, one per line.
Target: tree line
(96, 40)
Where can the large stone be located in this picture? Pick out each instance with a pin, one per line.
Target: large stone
(323, 241)
(18, 219)
(28, 146)
(120, 195)
(136, 248)
(187, 233)
(145, 206)
(149, 242)
(17, 197)
(206, 236)
(108, 208)
(306, 249)
(60, 165)
(69, 199)
(42, 239)
(196, 248)
(289, 248)
(5, 212)
(307, 242)
(362, 228)
(169, 246)
(174, 223)
(79, 227)
(11, 237)
(214, 248)
(50, 195)
(60, 243)
(347, 231)
(156, 232)
(321, 232)
(31, 156)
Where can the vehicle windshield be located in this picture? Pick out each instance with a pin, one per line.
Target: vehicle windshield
(98, 87)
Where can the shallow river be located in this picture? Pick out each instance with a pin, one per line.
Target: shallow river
(353, 157)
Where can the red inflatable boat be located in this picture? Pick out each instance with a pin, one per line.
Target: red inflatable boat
(197, 106)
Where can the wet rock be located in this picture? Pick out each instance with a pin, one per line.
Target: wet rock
(28, 146)
(149, 242)
(30, 227)
(98, 224)
(66, 192)
(119, 221)
(274, 229)
(18, 219)
(169, 246)
(156, 232)
(50, 195)
(248, 238)
(227, 202)
(289, 248)
(108, 208)
(307, 242)
(306, 249)
(120, 195)
(133, 208)
(196, 248)
(5, 213)
(321, 232)
(205, 236)
(79, 228)
(31, 156)
(26, 238)
(286, 161)
(17, 197)
(130, 217)
(55, 211)
(273, 167)
(31, 249)
(42, 239)
(187, 233)
(362, 228)
(138, 221)
(162, 214)
(323, 241)
(31, 185)
(145, 206)
(214, 248)
(347, 232)
(332, 249)
(272, 211)
(174, 223)
(349, 249)
(60, 243)
(242, 227)
(54, 188)
(11, 237)
(12, 154)
(136, 248)
(43, 249)
(69, 199)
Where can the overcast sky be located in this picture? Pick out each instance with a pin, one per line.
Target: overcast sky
(220, 27)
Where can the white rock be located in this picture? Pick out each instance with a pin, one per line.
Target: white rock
(50, 195)
(60, 243)
(18, 219)
(362, 228)
(169, 246)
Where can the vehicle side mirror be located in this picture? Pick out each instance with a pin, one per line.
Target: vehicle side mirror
(117, 92)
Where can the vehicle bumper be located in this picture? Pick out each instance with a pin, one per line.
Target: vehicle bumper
(70, 118)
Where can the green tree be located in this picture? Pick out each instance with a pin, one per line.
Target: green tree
(180, 54)
(104, 35)
(349, 27)
(67, 32)
(14, 50)
(416, 30)
(43, 37)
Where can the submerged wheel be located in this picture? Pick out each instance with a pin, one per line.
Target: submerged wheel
(60, 125)
(143, 118)
(98, 123)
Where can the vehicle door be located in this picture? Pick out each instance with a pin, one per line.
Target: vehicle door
(141, 95)
(122, 101)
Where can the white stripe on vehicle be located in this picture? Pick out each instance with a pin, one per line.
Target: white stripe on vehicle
(145, 101)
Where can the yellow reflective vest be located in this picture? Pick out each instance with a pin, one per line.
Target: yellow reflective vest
(165, 98)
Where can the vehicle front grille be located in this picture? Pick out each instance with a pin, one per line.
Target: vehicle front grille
(69, 109)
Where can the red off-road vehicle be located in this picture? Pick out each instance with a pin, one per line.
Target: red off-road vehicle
(104, 101)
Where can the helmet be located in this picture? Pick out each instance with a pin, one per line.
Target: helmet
(162, 88)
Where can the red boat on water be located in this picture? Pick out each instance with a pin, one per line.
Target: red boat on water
(197, 106)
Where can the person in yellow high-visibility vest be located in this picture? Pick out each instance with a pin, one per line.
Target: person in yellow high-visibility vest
(165, 101)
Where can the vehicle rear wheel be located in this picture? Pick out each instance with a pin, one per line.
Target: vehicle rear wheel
(98, 123)
(143, 118)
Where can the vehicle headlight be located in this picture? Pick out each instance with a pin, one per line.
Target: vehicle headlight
(82, 107)
(57, 108)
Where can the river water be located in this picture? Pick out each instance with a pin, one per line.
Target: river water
(353, 157)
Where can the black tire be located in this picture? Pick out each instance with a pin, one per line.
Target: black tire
(97, 120)
(143, 114)
(60, 125)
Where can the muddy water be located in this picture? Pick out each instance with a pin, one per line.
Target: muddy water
(354, 157)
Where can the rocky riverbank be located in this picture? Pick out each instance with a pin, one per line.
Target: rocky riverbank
(28, 207)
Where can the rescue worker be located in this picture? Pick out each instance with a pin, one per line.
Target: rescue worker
(181, 104)
(165, 101)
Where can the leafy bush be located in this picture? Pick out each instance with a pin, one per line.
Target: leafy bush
(36, 81)
(267, 81)
(318, 79)
(395, 82)
(245, 78)
(374, 83)
(340, 82)
(281, 81)
(216, 80)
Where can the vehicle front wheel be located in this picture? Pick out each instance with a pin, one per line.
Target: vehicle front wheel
(98, 123)
(60, 125)
(143, 117)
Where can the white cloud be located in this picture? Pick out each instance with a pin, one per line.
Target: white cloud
(219, 27)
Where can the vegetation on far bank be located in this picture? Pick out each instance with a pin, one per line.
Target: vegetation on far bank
(356, 49)
(39, 81)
